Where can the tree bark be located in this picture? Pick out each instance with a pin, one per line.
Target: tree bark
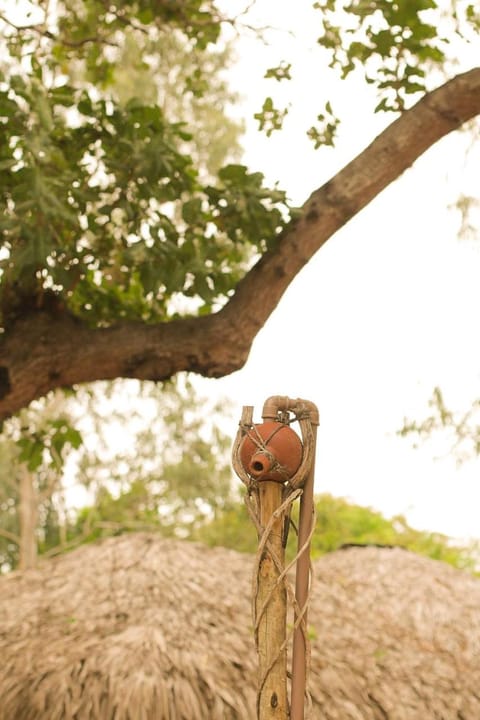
(272, 702)
(42, 351)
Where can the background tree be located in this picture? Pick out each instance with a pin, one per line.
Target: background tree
(9, 531)
(104, 461)
(168, 471)
(120, 258)
(33, 516)
(154, 77)
(459, 430)
(33, 448)
(339, 523)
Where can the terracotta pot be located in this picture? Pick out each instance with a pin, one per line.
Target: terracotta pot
(271, 451)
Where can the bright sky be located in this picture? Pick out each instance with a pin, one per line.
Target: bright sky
(384, 312)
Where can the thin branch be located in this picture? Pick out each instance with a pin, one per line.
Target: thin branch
(101, 525)
(238, 25)
(62, 41)
(21, 27)
(10, 536)
(59, 549)
(85, 41)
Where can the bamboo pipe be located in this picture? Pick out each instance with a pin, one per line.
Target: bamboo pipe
(299, 679)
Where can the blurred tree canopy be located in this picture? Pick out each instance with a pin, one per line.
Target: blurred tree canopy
(34, 445)
(339, 523)
(135, 245)
(458, 429)
(106, 460)
(126, 251)
(143, 68)
(170, 473)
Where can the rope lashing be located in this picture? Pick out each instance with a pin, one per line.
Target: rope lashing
(270, 451)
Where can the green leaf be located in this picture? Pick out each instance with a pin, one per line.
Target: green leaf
(279, 73)
(270, 118)
(192, 212)
(31, 453)
(235, 174)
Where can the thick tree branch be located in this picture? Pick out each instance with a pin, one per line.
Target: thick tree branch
(42, 352)
(330, 207)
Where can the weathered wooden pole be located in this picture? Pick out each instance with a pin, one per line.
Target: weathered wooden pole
(307, 413)
(277, 467)
(270, 454)
(271, 609)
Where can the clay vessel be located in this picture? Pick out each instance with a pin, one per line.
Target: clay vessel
(271, 451)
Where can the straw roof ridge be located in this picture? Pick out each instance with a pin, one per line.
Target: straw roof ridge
(138, 627)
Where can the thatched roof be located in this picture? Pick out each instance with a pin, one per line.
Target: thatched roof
(140, 628)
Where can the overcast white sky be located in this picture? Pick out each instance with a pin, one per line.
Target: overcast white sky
(384, 312)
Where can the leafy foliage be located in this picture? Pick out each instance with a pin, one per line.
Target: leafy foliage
(281, 72)
(232, 528)
(397, 42)
(459, 430)
(325, 132)
(270, 118)
(102, 205)
(398, 45)
(154, 76)
(169, 472)
(339, 523)
(112, 211)
(37, 443)
(109, 208)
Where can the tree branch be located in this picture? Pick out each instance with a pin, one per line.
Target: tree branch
(10, 536)
(330, 207)
(19, 28)
(40, 30)
(41, 352)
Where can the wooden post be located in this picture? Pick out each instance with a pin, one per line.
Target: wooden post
(272, 700)
(275, 464)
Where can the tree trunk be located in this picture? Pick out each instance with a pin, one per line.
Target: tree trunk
(28, 515)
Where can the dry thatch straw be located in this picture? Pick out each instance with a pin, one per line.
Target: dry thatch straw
(140, 628)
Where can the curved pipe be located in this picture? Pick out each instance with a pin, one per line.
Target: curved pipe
(281, 403)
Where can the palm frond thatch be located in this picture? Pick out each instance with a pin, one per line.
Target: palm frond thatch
(141, 628)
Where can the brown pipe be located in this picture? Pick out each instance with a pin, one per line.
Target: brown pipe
(281, 403)
(302, 576)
